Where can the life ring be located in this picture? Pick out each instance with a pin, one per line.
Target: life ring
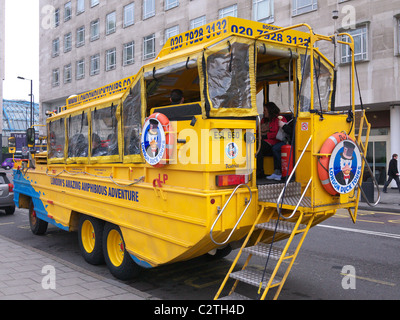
(167, 131)
(323, 161)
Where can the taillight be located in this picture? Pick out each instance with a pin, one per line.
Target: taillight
(231, 180)
(10, 187)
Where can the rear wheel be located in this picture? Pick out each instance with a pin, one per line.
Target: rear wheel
(10, 210)
(38, 226)
(219, 253)
(90, 236)
(117, 258)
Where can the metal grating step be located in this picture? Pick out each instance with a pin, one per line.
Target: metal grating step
(262, 250)
(283, 226)
(253, 277)
(272, 191)
(234, 296)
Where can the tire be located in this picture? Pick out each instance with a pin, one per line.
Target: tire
(219, 253)
(38, 226)
(90, 237)
(118, 260)
(10, 210)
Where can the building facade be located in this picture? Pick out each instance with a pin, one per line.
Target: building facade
(2, 60)
(86, 44)
(16, 116)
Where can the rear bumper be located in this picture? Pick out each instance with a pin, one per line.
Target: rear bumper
(7, 201)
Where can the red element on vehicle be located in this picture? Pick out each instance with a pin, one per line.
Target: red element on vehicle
(286, 162)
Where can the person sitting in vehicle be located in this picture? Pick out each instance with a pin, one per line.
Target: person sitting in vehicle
(269, 130)
(176, 96)
(287, 128)
(97, 148)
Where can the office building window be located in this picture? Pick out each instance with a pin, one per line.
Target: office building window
(94, 3)
(149, 46)
(67, 73)
(95, 64)
(111, 59)
(68, 42)
(230, 11)
(80, 36)
(80, 69)
(67, 11)
(170, 32)
(197, 22)
(360, 37)
(55, 47)
(55, 81)
(56, 17)
(302, 6)
(149, 9)
(111, 22)
(129, 14)
(169, 4)
(129, 53)
(94, 30)
(80, 6)
(263, 11)
(398, 36)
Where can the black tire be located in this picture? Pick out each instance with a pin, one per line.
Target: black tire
(126, 268)
(91, 249)
(219, 253)
(38, 226)
(10, 210)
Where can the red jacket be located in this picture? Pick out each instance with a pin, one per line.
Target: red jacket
(273, 130)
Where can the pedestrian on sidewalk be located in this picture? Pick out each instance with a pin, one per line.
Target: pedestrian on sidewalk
(393, 173)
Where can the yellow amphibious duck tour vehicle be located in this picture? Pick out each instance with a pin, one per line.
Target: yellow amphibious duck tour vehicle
(146, 182)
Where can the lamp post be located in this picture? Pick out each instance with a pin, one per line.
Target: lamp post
(31, 95)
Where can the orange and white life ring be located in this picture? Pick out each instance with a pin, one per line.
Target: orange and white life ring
(325, 172)
(159, 127)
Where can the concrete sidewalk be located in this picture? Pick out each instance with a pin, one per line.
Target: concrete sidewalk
(28, 274)
(389, 202)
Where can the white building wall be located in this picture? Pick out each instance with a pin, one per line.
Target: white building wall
(2, 62)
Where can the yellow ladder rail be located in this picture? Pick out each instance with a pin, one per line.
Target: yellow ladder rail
(290, 228)
(241, 250)
(292, 257)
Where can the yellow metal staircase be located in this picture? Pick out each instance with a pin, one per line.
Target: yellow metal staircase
(264, 281)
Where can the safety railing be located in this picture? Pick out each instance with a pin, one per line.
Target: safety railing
(288, 181)
(222, 211)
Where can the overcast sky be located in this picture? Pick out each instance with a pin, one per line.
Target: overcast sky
(22, 49)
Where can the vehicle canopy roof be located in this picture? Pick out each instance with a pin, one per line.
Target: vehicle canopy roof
(208, 60)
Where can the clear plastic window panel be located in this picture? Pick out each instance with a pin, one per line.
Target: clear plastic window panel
(104, 132)
(322, 85)
(229, 78)
(131, 115)
(56, 136)
(77, 129)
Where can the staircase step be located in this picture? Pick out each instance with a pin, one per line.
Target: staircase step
(234, 296)
(283, 226)
(262, 250)
(272, 191)
(253, 277)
